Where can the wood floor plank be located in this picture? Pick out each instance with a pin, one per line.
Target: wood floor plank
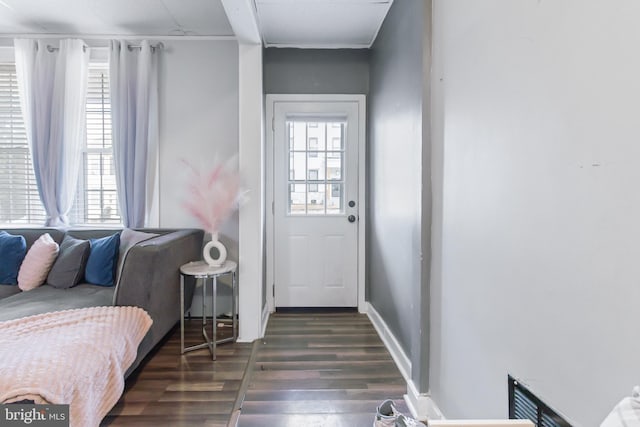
(197, 396)
(306, 420)
(292, 395)
(169, 421)
(328, 369)
(216, 407)
(310, 407)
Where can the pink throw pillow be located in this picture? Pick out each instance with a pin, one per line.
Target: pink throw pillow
(37, 263)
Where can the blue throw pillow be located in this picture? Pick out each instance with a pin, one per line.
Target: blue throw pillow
(12, 252)
(103, 259)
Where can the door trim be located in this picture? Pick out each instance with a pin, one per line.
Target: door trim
(271, 100)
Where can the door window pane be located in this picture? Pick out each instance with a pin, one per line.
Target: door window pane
(316, 136)
(297, 166)
(297, 199)
(334, 198)
(334, 166)
(297, 136)
(316, 166)
(316, 162)
(315, 199)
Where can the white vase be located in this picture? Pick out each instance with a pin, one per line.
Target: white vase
(206, 252)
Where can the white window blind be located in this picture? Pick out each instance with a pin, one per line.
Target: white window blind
(97, 198)
(19, 200)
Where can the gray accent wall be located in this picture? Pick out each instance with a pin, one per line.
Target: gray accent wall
(399, 190)
(316, 71)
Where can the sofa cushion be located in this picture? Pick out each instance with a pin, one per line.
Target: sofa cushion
(13, 248)
(37, 263)
(8, 290)
(103, 258)
(47, 298)
(68, 270)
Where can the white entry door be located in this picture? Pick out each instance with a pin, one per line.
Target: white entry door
(315, 194)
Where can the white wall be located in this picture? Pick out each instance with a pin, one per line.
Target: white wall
(198, 123)
(198, 119)
(537, 110)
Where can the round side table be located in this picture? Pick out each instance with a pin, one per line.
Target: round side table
(202, 270)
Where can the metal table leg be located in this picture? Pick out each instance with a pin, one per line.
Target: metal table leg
(209, 342)
(204, 309)
(234, 305)
(214, 310)
(182, 314)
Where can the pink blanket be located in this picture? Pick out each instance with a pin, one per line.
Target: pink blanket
(76, 357)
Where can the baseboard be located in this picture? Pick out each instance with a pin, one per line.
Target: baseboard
(420, 404)
(265, 319)
(402, 361)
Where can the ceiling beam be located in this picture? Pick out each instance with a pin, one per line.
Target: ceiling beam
(243, 19)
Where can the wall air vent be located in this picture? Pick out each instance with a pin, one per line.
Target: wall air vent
(524, 405)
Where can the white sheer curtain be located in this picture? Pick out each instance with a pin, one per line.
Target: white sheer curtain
(133, 72)
(53, 83)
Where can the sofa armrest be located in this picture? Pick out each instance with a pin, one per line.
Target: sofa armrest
(150, 277)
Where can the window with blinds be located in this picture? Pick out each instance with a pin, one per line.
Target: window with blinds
(19, 200)
(97, 198)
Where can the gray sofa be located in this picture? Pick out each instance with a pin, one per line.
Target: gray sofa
(149, 278)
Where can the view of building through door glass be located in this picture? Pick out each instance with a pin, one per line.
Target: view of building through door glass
(316, 166)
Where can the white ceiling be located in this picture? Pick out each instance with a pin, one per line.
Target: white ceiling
(282, 23)
(114, 17)
(320, 23)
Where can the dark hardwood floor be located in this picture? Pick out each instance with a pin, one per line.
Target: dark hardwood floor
(183, 390)
(320, 370)
(311, 369)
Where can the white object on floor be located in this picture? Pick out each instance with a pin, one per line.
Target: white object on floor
(626, 413)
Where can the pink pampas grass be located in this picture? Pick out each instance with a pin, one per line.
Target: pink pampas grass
(212, 196)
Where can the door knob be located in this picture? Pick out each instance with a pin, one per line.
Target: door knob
(352, 218)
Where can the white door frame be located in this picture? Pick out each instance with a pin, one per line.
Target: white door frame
(269, 188)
